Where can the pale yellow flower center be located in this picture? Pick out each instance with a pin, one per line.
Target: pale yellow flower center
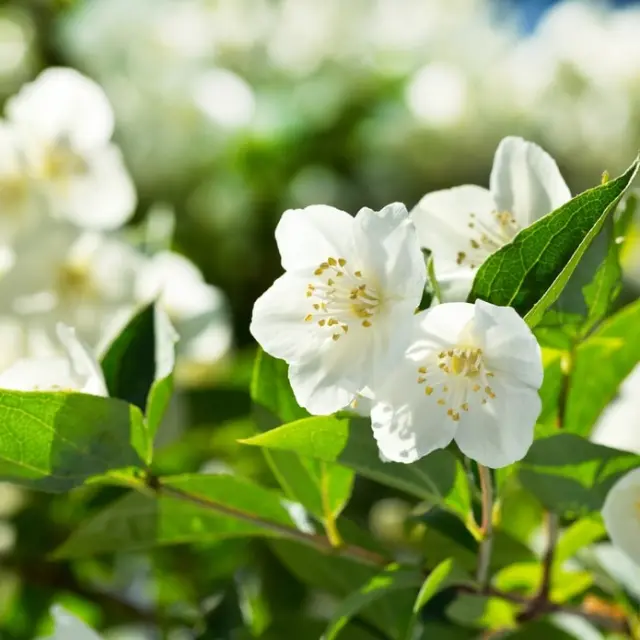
(490, 237)
(13, 190)
(340, 297)
(75, 280)
(459, 377)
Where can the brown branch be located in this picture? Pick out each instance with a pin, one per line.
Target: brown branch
(319, 542)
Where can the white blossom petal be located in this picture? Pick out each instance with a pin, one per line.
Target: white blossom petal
(99, 195)
(458, 226)
(307, 237)
(615, 427)
(446, 387)
(621, 513)
(410, 425)
(278, 321)
(319, 386)
(511, 347)
(501, 432)
(18, 201)
(63, 105)
(76, 370)
(525, 181)
(389, 240)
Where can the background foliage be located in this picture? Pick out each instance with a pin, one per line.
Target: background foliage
(322, 104)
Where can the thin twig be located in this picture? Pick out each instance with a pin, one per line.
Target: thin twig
(319, 542)
(547, 561)
(486, 529)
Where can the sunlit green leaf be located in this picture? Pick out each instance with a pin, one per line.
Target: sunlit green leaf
(139, 521)
(570, 475)
(350, 442)
(530, 272)
(319, 486)
(57, 441)
(601, 363)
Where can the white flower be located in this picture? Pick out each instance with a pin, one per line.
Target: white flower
(61, 274)
(68, 627)
(196, 309)
(75, 370)
(19, 209)
(464, 225)
(621, 513)
(471, 374)
(339, 314)
(68, 122)
(617, 425)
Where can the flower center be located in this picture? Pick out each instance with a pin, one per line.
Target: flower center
(13, 190)
(459, 377)
(74, 280)
(491, 235)
(61, 164)
(340, 297)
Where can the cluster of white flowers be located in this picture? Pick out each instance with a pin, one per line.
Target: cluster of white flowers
(441, 54)
(344, 315)
(65, 193)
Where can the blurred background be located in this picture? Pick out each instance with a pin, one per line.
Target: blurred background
(228, 112)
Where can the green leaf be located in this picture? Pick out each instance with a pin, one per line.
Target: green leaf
(341, 576)
(444, 575)
(56, 441)
(393, 578)
(602, 291)
(324, 489)
(530, 272)
(593, 386)
(138, 365)
(526, 578)
(350, 442)
(580, 534)
(139, 521)
(570, 475)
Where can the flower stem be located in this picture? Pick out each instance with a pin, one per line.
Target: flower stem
(329, 520)
(547, 561)
(319, 542)
(486, 528)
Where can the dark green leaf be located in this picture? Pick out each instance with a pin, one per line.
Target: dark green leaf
(319, 486)
(530, 272)
(138, 365)
(393, 578)
(570, 475)
(445, 574)
(56, 441)
(350, 442)
(594, 385)
(341, 577)
(139, 521)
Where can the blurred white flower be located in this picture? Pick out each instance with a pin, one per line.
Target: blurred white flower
(472, 374)
(67, 124)
(20, 208)
(75, 370)
(81, 278)
(618, 424)
(621, 513)
(464, 225)
(224, 97)
(339, 313)
(197, 310)
(438, 94)
(68, 627)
